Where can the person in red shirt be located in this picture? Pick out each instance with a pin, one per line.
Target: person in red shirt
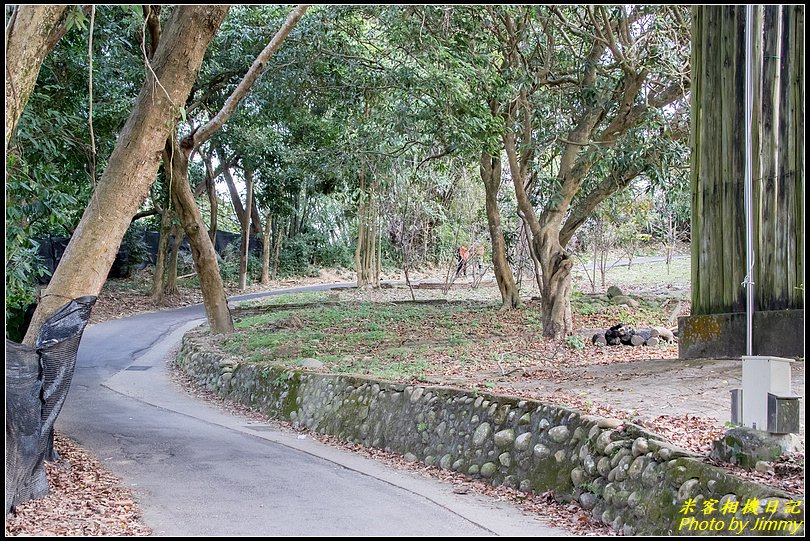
(463, 255)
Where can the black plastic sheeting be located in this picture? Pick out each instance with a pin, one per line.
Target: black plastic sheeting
(25, 474)
(37, 384)
(51, 250)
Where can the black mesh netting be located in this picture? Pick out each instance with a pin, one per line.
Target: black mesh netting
(37, 383)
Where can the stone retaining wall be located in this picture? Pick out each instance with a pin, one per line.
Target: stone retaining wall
(626, 477)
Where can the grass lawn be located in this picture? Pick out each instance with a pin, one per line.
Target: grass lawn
(424, 341)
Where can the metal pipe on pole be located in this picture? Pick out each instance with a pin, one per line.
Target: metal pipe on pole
(749, 157)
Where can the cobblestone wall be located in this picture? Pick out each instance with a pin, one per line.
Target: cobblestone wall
(626, 477)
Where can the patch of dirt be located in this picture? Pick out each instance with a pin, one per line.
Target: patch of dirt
(644, 388)
(84, 500)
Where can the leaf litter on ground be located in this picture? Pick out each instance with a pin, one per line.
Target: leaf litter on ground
(84, 500)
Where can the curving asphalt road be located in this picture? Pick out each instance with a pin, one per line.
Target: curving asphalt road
(199, 471)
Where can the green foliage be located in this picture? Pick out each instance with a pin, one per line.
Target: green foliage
(404, 97)
(575, 342)
(231, 262)
(50, 169)
(302, 253)
(133, 247)
(22, 270)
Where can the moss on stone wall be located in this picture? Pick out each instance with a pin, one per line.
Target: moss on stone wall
(625, 476)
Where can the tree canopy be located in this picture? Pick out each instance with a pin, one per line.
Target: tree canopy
(365, 135)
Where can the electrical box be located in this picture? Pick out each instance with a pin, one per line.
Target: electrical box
(783, 414)
(761, 376)
(736, 406)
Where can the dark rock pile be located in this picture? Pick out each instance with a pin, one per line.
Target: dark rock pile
(625, 335)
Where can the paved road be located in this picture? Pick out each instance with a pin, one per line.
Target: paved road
(199, 471)
(636, 260)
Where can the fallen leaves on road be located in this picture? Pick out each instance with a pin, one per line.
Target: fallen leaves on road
(85, 499)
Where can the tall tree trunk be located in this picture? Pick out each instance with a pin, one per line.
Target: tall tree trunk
(595, 257)
(133, 165)
(366, 255)
(211, 188)
(277, 247)
(379, 250)
(256, 219)
(556, 265)
(246, 232)
(238, 209)
(202, 250)
(171, 272)
(718, 161)
(362, 233)
(32, 32)
(538, 277)
(268, 229)
(302, 215)
(491, 176)
(163, 246)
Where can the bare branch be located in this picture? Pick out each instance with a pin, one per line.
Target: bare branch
(445, 152)
(206, 131)
(586, 205)
(145, 213)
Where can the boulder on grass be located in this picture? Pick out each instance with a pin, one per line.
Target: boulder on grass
(745, 446)
(624, 299)
(614, 291)
(665, 334)
(636, 340)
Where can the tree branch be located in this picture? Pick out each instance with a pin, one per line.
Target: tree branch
(523, 201)
(206, 131)
(152, 15)
(145, 213)
(447, 151)
(586, 205)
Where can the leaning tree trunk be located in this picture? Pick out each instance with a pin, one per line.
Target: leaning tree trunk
(256, 219)
(238, 209)
(491, 175)
(31, 33)
(133, 165)
(211, 189)
(202, 250)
